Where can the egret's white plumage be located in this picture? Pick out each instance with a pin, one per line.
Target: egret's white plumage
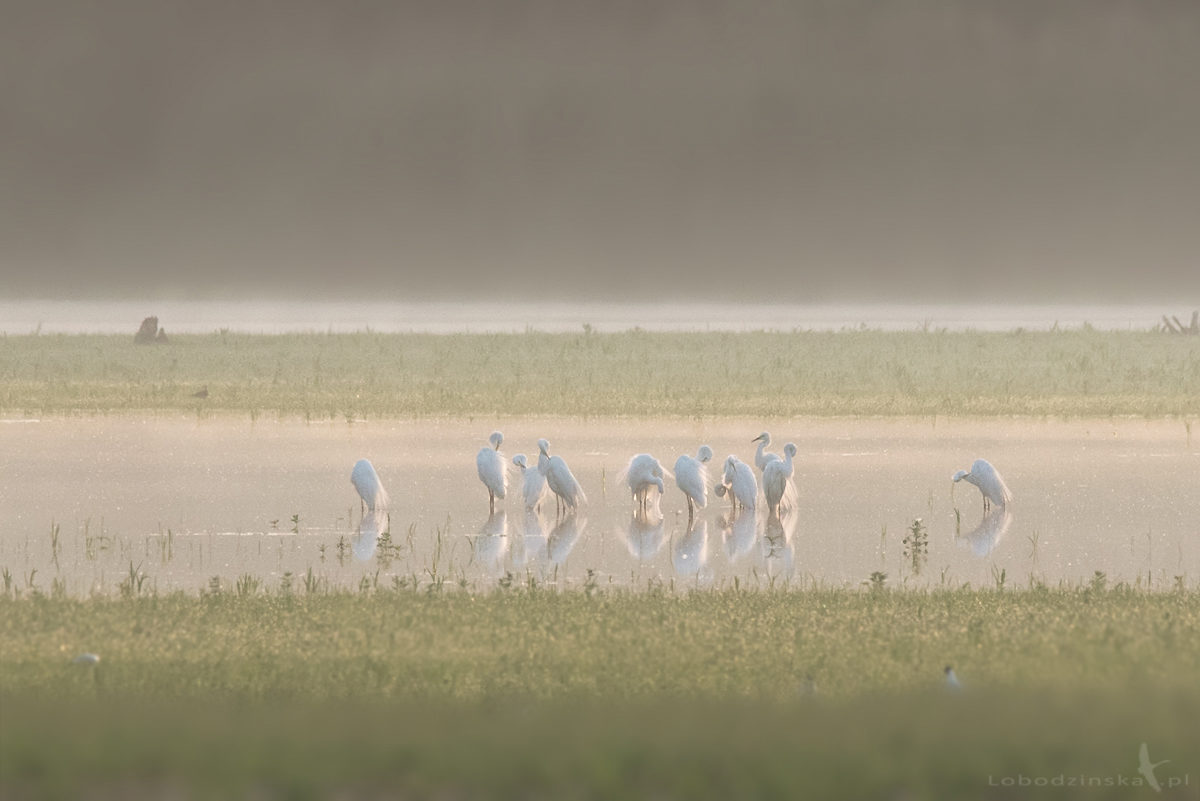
(691, 476)
(370, 489)
(492, 471)
(763, 458)
(739, 483)
(533, 484)
(86, 659)
(777, 479)
(559, 478)
(952, 682)
(988, 479)
(643, 474)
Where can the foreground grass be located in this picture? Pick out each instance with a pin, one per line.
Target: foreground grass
(550, 695)
(1082, 373)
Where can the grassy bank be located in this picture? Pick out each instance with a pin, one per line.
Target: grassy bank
(1071, 373)
(548, 695)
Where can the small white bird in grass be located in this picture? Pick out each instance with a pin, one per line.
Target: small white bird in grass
(739, 483)
(560, 479)
(533, 486)
(763, 458)
(691, 476)
(952, 681)
(492, 472)
(86, 659)
(988, 479)
(643, 474)
(777, 480)
(370, 489)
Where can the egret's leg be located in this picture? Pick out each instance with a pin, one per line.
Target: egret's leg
(689, 509)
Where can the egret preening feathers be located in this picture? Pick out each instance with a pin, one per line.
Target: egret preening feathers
(370, 489)
(559, 478)
(988, 479)
(643, 474)
(691, 476)
(492, 471)
(533, 486)
(777, 479)
(739, 483)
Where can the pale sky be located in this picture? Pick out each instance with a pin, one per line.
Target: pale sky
(799, 150)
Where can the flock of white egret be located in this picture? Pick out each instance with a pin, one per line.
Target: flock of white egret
(645, 474)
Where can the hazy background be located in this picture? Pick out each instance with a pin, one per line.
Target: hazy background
(785, 151)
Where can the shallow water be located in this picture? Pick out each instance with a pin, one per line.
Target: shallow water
(181, 501)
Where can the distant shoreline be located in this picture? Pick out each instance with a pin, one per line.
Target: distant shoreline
(1073, 373)
(19, 317)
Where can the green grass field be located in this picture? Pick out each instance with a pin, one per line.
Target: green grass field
(546, 695)
(1068, 373)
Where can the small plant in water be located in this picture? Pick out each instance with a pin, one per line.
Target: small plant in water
(999, 577)
(916, 545)
(247, 585)
(1099, 582)
(296, 523)
(285, 583)
(877, 581)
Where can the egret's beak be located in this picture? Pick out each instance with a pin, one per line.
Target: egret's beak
(756, 439)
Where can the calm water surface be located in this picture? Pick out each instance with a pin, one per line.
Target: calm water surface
(181, 501)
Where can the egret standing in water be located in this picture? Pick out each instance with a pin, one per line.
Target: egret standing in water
(691, 476)
(533, 487)
(739, 483)
(559, 478)
(370, 489)
(643, 474)
(777, 480)
(988, 479)
(490, 465)
(762, 458)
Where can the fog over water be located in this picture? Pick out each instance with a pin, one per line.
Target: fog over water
(786, 152)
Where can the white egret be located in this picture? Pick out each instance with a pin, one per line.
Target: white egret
(533, 486)
(86, 659)
(739, 483)
(761, 458)
(559, 478)
(952, 682)
(777, 479)
(643, 474)
(691, 476)
(492, 472)
(370, 489)
(988, 479)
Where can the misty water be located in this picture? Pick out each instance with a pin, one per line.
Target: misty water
(179, 501)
